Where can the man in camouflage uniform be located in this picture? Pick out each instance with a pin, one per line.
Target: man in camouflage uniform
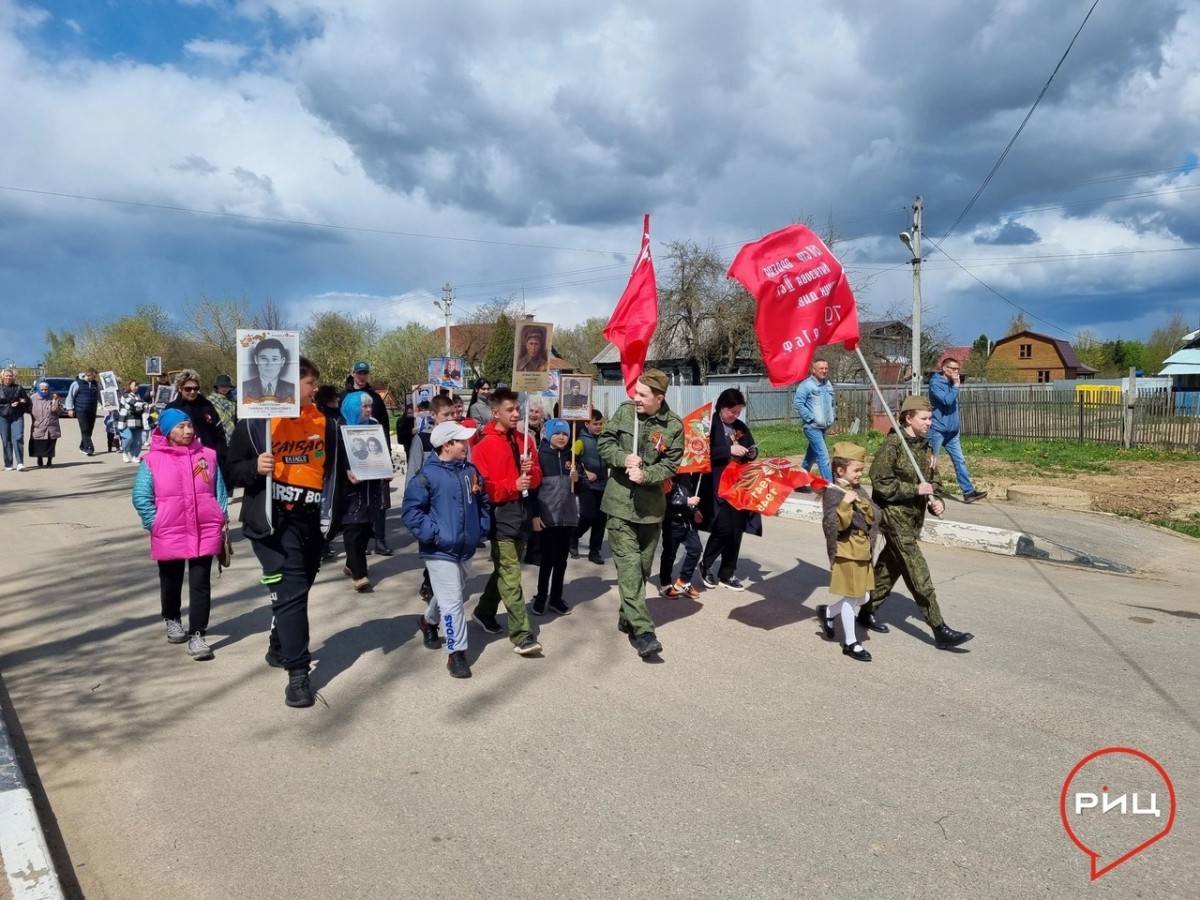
(634, 499)
(903, 498)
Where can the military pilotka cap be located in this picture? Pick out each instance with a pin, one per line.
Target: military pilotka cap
(915, 402)
(852, 452)
(655, 380)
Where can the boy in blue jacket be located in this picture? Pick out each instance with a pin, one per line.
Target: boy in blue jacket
(447, 510)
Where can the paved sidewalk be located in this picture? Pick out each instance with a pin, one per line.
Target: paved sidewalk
(752, 760)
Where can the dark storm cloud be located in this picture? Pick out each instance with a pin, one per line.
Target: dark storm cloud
(1008, 234)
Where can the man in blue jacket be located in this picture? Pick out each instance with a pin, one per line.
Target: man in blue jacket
(943, 395)
(446, 508)
(814, 407)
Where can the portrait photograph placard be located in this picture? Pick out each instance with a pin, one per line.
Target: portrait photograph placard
(531, 357)
(108, 399)
(366, 449)
(575, 397)
(268, 374)
(551, 391)
(108, 381)
(162, 395)
(154, 365)
(448, 372)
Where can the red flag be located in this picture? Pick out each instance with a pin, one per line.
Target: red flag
(804, 300)
(697, 439)
(762, 486)
(633, 321)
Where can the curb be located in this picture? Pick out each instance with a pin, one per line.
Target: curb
(962, 535)
(27, 863)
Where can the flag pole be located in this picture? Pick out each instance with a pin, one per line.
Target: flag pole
(891, 418)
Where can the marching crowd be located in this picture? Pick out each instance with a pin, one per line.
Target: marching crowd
(487, 473)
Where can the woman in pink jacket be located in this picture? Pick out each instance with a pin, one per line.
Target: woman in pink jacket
(179, 494)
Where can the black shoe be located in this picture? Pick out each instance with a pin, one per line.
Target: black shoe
(538, 606)
(972, 496)
(574, 551)
(457, 664)
(860, 654)
(429, 633)
(623, 626)
(868, 621)
(426, 591)
(274, 655)
(647, 644)
(530, 646)
(596, 558)
(558, 607)
(710, 580)
(944, 636)
(824, 621)
(298, 693)
(383, 549)
(487, 623)
(733, 583)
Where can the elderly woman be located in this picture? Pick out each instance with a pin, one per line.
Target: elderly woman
(46, 409)
(14, 402)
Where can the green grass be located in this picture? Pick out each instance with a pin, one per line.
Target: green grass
(1189, 526)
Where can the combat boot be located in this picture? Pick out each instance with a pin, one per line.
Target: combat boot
(868, 621)
(944, 637)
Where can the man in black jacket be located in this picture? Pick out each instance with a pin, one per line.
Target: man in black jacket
(360, 380)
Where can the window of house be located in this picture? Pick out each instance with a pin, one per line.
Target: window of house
(1026, 351)
(1043, 376)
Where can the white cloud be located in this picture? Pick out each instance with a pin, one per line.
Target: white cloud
(222, 52)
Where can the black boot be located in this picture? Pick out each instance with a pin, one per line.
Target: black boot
(944, 636)
(867, 620)
(824, 621)
(299, 692)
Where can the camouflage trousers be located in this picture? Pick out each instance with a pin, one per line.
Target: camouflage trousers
(902, 558)
(633, 545)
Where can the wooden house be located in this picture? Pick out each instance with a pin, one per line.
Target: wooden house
(1040, 358)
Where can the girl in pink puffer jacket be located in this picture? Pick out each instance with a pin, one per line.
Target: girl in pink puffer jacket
(179, 494)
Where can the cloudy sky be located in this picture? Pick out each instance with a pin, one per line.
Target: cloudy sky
(357, 155)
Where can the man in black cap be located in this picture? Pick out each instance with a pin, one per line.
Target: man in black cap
(226, 407)
(360, 380)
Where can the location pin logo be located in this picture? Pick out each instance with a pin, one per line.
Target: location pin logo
(1112, 806)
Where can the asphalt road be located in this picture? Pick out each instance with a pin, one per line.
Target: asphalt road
(752, 760)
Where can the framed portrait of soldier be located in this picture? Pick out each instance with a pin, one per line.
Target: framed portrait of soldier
(108, 381)
(452, 372)
(531, 357)
(551, 392)
(154, 365)
(108, 399)
(575, 397)
(268, 374)
(366, 451)
(162, 395)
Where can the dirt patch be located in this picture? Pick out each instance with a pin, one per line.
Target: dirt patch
(1152, 490)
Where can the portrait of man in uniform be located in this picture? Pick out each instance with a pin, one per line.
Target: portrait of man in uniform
(270, 359)
(533, 354)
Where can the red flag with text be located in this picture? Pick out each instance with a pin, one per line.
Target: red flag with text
(633, 321)
(697, 439)
(804, 300)
(762, 486)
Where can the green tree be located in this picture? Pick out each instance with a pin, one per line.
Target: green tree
(1120, 356)
(581, 343)
(62, 357)
(975, 367)
(399, 360)
(122, 344)
(334, 340)
(1089, 349)
(498, 360)
(1164, 340)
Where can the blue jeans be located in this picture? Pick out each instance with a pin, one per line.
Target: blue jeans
(131, 441)
(954, 451)
(817, 452)
(12, 433)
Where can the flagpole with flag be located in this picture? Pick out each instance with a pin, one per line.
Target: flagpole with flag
(632, 324)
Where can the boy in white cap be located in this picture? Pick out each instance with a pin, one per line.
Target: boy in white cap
(447, 510)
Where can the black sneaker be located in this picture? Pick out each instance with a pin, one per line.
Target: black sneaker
(558, 607)
(457, 664)
(528, 647)
(709, 579)
(596, 558)
(824, 621)
(574, 551)
(647, 644)
(429, 632)
(972, 496)
(733, 583)
(274, 655)
(299, 692)
(487, 623)
(383, 549)
(538, 606)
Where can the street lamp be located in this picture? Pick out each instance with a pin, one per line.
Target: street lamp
(912, 240)
(445, 305)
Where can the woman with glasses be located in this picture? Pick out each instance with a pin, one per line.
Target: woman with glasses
(205, 418)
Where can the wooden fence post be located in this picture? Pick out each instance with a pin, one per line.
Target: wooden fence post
(1130, 403)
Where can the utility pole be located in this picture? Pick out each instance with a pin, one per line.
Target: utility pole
(912, 240)
(445, 305)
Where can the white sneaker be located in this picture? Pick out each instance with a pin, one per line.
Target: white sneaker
(20, 466)
(8, 468)
(126, 457)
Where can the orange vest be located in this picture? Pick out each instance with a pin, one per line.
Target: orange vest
(298, 446)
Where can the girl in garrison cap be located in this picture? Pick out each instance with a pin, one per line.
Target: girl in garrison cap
(851, 524)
